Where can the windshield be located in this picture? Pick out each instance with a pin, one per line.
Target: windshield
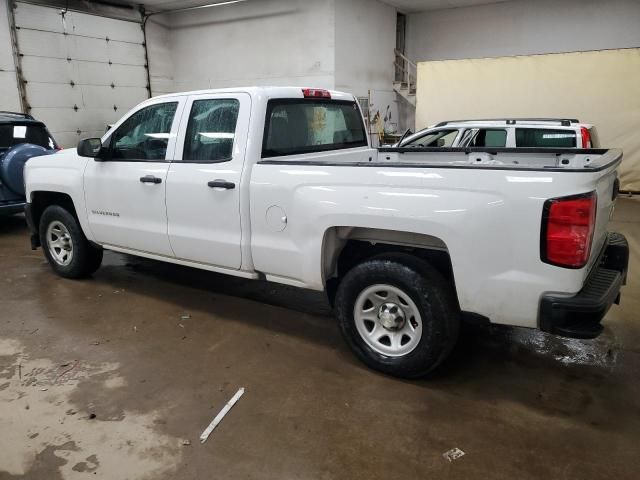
(12, 134)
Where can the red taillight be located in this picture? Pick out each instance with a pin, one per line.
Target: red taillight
(567, 230)
(586, 137)
(58, 148)
(315, 93)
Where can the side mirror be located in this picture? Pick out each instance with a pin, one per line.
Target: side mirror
(89, 147)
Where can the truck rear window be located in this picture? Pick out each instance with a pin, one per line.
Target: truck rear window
(12, 134)
(545, 138)
(295, 126)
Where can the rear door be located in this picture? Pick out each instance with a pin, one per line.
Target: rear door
(203, 184)
(125, 191)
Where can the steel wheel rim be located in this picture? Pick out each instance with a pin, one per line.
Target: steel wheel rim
(59, 243)
(389, 332)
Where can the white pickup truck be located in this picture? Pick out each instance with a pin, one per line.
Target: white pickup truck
(281, 184)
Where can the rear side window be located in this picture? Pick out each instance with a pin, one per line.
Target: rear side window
(545, 138)
(295, 126)
(211, 129)
(12, 134)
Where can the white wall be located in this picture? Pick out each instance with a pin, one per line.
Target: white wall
(159, 56)
(267, 42)
(365, 39)
(9, 97)
(523, 27)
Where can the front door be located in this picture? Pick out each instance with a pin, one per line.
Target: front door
(203, 185)
(125, 190)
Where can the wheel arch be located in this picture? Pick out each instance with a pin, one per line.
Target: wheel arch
(345, 247)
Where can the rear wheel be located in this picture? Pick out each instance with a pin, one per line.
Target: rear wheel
(398, 315)
(65, 246)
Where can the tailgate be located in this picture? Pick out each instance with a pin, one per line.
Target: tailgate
(606, 187)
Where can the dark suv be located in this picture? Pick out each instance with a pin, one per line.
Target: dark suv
(21, 137)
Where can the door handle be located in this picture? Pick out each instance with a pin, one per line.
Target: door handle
(222, 184)
(150, 179)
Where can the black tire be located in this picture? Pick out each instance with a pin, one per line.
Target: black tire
(86, 258)
(429, 292)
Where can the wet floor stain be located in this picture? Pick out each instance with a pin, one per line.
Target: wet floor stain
(44, 430)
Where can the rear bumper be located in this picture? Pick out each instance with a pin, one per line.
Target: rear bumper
(579, 316)
(11, 208)
(33, 230)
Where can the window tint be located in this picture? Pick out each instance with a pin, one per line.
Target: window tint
(12, 134)
(145, 134)
(441, 138)
(211, 129)
(303, 126)
(484, 137)
(545, 138)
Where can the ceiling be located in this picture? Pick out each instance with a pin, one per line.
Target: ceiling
(406, 6)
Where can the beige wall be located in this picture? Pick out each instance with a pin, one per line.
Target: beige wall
(599, 87)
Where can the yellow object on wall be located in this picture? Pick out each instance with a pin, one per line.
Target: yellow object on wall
(599, 87)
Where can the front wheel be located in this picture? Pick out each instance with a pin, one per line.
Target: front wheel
(65, 246)
(398, 315)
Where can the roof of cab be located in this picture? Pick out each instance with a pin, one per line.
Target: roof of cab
(269, 92)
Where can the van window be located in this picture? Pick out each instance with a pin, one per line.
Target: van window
(484, 137)
(545, 138)
(440, 138)
(295, 126)
(211, 130)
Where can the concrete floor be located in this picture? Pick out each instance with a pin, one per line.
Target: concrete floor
(110, 377)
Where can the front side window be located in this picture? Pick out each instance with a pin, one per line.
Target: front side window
(441, 138)
(303, 126)
(545, 138)
(211, 130)
(145, 134)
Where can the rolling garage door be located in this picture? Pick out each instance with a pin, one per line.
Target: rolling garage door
(81, 72)
(599, 87)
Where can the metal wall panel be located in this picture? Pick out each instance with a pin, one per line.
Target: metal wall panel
(81, 72)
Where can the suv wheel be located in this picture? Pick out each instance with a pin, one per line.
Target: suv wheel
(65, 246)
(398, 315)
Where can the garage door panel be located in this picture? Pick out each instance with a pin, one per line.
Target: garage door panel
(128, 75)
(84, 119)
(58, 71)
(53, 95)
(50, 70)
(126, 53)
(42, 44)
(75, 23)
(106, 97)
(36, 17)
(53, 45)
